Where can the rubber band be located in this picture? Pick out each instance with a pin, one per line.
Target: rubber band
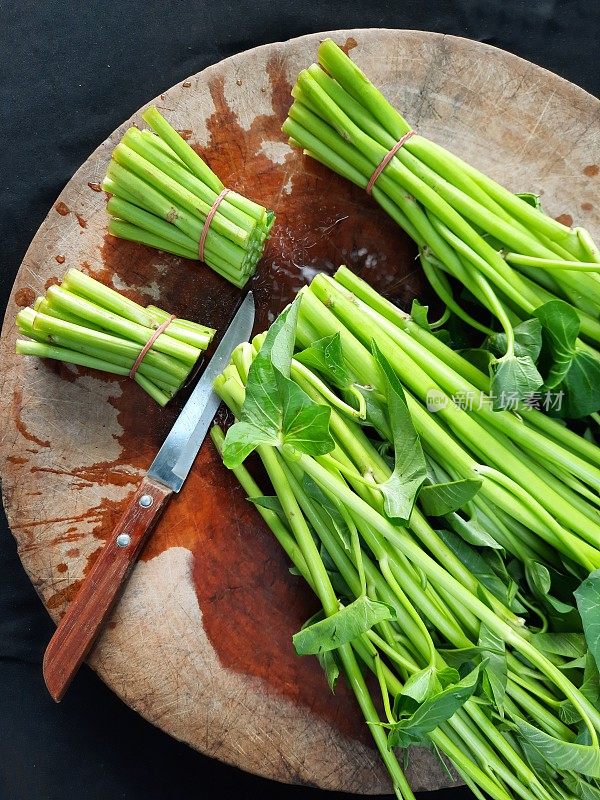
(207, 222)
(161, 329)
(387, 158)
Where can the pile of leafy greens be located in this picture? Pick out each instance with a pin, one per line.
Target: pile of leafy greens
(454, 551)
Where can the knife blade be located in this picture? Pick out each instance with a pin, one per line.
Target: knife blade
(85, 616)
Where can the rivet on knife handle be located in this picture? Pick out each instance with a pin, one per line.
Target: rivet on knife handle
(93, 603)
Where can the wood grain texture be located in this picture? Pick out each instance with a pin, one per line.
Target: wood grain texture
(200, 643)
(88, 611)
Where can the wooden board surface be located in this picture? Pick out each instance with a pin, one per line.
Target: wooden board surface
(200, 642)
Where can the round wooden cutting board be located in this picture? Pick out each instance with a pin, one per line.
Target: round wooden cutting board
(200, 643)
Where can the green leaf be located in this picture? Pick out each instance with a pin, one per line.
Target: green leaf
(263, 405)
(422, 685)
(531, 199)
(538, 577)
(447, 676)
(583, 734)
(567, 713)
(457, 657)
(528, 340)
(334, 519)
(330, 666)
(575, 663)
(581, 386)
(495, 670)
(514, 378)
(539, 580)
(342, 627)
(590, 688)
(472, 532)
(476, 564)
(560, 329)
(569, 645)
(418, 687)
(572, 372)
(280, 347)
(419, 314)
(305, 424)
(241, 439)
(276, 410)
(581, 788)
(432, 712)
(376, 409)
(588, 604)
(410, 468)
(443, 498)
(478, 357)
(584, 759)
(325, 356)
(271, 502)
(537, 762)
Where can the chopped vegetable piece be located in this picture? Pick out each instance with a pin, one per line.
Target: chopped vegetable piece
(165, 196)
(82, 321)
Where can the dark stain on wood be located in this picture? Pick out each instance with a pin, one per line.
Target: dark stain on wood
(17, 460)
(21, 426)
(566, 219)
(349, 44)
(591, 170)
(24, 297)
(61, 598)
(61, 208)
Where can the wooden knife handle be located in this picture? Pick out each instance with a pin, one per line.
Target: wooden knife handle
(81, 624)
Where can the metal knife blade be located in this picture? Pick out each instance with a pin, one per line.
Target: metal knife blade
(176, 456)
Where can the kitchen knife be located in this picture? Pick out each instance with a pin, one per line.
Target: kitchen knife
(85, 616)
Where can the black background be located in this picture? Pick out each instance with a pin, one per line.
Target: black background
(70, 73)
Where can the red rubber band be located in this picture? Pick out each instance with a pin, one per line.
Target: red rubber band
(161, 329)
(207, 221)
(386, 159)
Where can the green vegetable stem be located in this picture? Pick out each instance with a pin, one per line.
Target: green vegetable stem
(83, 322)
(163, 195)
(521, 267)
(454, 552)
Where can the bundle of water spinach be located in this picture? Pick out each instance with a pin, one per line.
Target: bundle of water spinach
(454, 552)
(164, 195)
(536, 278)
(82, 321)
